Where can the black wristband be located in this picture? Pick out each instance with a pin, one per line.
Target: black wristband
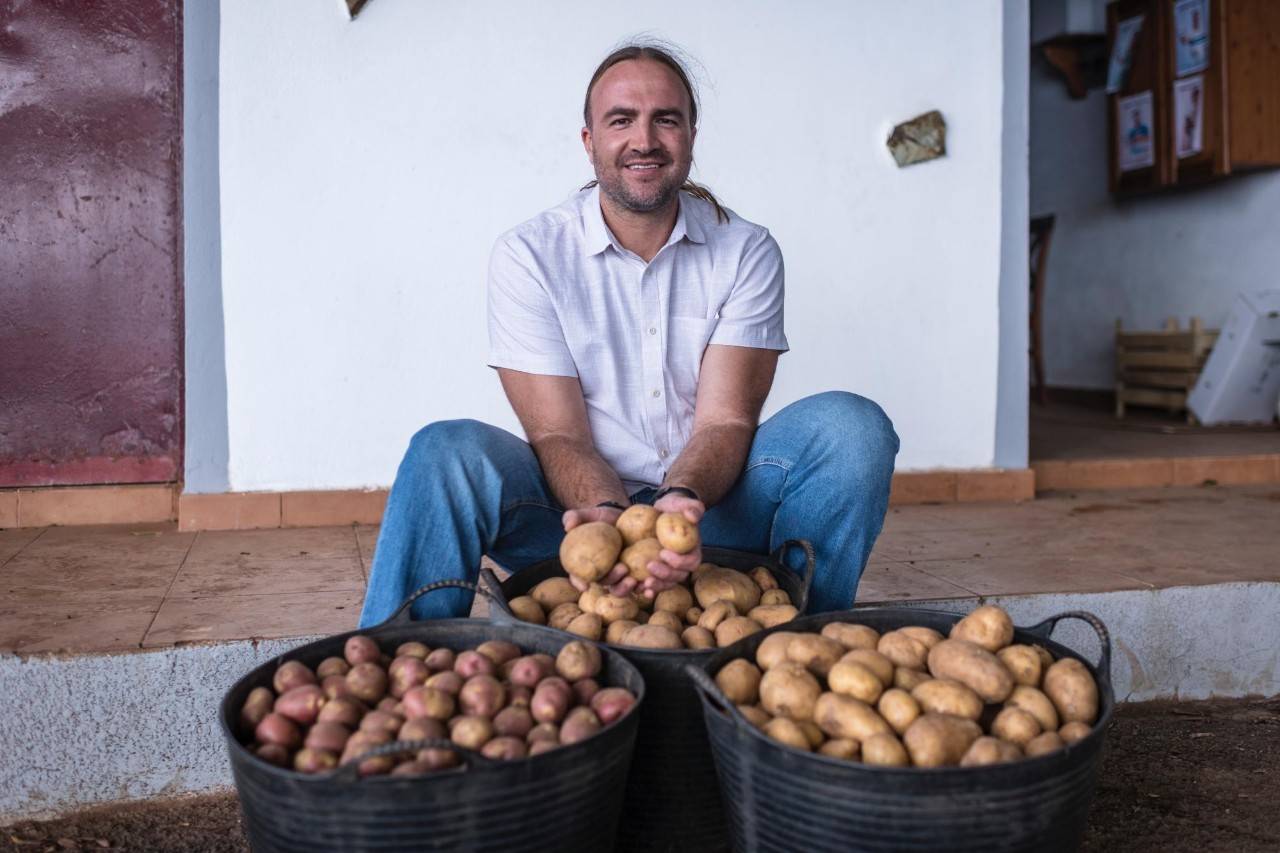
(675, 490)
(611, 505)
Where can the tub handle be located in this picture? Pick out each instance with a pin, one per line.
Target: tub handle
(806, 576)
(349, 770)
(1045, 630)
(402, 617)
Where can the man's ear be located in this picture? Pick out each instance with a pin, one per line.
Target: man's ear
(586, 140)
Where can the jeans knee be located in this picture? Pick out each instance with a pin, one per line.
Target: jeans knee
(457, 439)
(857, 425)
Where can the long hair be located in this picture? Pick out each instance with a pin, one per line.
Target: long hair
(655, 53)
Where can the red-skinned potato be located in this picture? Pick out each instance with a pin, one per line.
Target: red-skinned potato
(579, 724)
(584, 690)
(543, 732)
(301, 704)
(390, 704)
(440, 660)
(406, 672)
(332, 666)
(257, 705)
(335, 687)
(527, 671)
(550, 702)
(314, 761)
(482, 696)
(423, 728)
(429, 702)
(331, 737)
(345, 711)
(413, 649)
(504, 749)
(611, 703)
(470, 663)
(450, 682)
(471, 732)
(278, 729)
(540, 746)
(292, 674)
(439, 759)
(519, 696)
(367, 682)
(360, 649)
(381, 721)
(273, 753)
(513, 722)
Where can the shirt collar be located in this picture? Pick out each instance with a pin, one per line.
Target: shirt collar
(598, 237)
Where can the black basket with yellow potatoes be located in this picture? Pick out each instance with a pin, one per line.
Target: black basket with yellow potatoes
(893, 729)
(450, 734)
(673, 797)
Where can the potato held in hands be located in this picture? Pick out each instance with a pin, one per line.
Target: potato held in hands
(590, 551)
(677, 533)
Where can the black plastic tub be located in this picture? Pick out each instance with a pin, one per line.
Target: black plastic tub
(566, 799)
(783, 799)
(673, 798)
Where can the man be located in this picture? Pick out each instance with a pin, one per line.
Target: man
(635, 329)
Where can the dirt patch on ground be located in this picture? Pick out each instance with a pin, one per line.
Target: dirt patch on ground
(1177, 778)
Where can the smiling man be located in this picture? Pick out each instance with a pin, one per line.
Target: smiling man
(636, 329)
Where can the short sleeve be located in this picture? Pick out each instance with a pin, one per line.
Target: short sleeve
(752, 315)
(524, 328)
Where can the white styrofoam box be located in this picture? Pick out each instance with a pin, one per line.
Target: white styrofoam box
(1240, 382)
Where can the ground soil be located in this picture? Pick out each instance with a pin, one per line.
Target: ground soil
(1177, 778)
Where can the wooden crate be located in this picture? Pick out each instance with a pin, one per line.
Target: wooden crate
(1159, 369)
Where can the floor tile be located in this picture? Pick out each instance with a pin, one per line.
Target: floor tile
(1024, 575)
(123, 567)
(884, 582)
(14, 540)
(70, 627)
(252, 575)
(197, 619)
(315, 542)
(366, 541)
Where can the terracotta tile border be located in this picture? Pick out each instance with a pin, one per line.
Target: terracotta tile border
(8, 509)
(1083, 474)
(234, 511)
(67, 505)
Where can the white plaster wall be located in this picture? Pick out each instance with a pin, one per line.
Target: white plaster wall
(366, 168)
(1174, 253)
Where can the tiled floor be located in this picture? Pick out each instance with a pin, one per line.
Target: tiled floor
(87, 589)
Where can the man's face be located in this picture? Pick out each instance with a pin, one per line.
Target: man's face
(640, 140)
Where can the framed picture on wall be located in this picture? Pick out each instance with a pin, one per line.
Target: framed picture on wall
(1191, 36)
(1188, 115)
(1135, 132)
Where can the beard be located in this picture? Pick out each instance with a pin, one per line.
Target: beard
(656, 196)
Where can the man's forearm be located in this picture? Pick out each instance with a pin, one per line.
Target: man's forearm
(576, 473)
(712, 460)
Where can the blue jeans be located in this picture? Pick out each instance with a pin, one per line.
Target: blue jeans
(819, 470)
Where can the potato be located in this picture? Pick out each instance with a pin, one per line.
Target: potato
(612, 703)
(815, 653)
(989, 750)
(499, 651)
(763, 578)
(909, 679)
(898, 708)
(943, 696)
(345, 712)
(471, 663)
(988, 626)
(471, 732)
(1074, 731)
(841, 747)
(903, 650)
(645, 604)
(588, 625)
(280, 730)
(1036, 704)
(739, 680)
(692, 615)
(450, 682)
(314, 761)
(382, 721)
(666, 620)
(787, 732)
(541, 746)
(257, 705)
(389, 703)
(273, 753)
(438, 759)
(335, 666)
(1015, 725)
(440, 660)
(367, 682)
(543, 731)
(773, 649)
(528, 610)
(772, 597)
(695, 637)
(406, 672)
(789, 690)
(580, 724)
(884, 750)
(1023, 664)
(852, 636)
(292, 674)
(359, 744)
(726, 585)
(584, 690)
(676, 533)
(360, 649)
(973, 666)
(652, 637)
(301, 704)
(637, 558)
(755, 715)
(637, 523)
(771, 615)
(335, 687)
(812, 733)
(591, 550)
(553, 592)
(550, 701)
(577, 660)
(1044, 743)
(850, 678)
(614, 632)
(939, 740)
(928, 636)
(413, 649)
(1071, 687)
(563, 615)
(717, 612)
(676, 600)
(734, 629)
(874, 661)
(528, 671)
(423, 728)
(844, 717)
(591, 597)
(482, 696)
(1046, 659)
(504, 748)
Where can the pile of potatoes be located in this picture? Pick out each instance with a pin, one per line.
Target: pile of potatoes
(911, 697)
(494, 699)
(717, 606)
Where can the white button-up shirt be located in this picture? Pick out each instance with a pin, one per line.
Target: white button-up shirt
(566, 299)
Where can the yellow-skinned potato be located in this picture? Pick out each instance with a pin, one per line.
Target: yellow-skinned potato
(789, 690)
(677, 533)
(903, 650)
(637, 558)
(726, 585)
(943, 696)
(1015, 725)
(909, 679)
(1073, 691)
(553, 592)
(771, 615)
(755, 715)
(845, 717)
(616, 630)
(927, 636)
(874, 661)
(884, 750)
(788, 732)
(1023, 663)
(898, 708)
(734, 629)
(850, 678)
(716, 613)
(652, 637)
(852, 636)
(590, 551)
(1073, 732)
(1044, 743)
(841, 747)
(693, 614)
(666, 620)
(773, 649)
(816, 653)
(988, 626)
(1036, 704)
(563, 615)
(973, 666)
(676, 600)
(1046, 659)
(637, 522)
(588, 600)
(763, 578)
(812, 733)
(645, 604)
(695, 637)
(940, 740)
(739, 680)
(990, 750)
(587, 625)
(616, 608)
(774, 596)
(528, 610)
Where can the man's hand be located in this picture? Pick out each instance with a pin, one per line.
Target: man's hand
(671, 568)
(572, 518)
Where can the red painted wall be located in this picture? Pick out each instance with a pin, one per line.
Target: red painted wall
(90, 241)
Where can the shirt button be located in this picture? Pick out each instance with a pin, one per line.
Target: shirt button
(657, 393)
(663, 453)
(652, 330)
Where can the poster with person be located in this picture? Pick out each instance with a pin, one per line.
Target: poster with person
(1188, 115)
(1122, 53)
(1191, 36)
(1135, 132)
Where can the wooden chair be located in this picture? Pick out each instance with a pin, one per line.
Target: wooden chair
(1038, 258)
